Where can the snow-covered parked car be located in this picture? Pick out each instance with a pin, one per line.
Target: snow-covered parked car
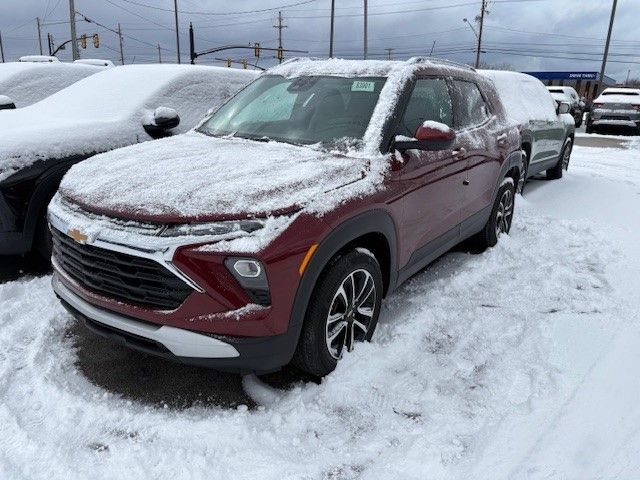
(24, 83)
(114, 108)
(273, 230)
(547, 128)
(615, 108)
(577, 103)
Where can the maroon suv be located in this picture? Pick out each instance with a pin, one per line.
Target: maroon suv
(272, 232)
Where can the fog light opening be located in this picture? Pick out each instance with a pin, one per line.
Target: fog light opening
(247, 268)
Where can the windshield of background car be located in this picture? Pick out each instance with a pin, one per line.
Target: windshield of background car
(304, 110)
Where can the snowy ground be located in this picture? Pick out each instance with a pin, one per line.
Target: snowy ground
(520, 362)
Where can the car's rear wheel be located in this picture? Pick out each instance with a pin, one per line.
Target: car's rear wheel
(555, 172)
(343, 310)
(501, 216)
(523, 176)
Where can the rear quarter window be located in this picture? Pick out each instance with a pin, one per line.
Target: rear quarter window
(471, 109)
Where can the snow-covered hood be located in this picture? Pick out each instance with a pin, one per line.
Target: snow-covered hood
(196, 177)
(27, 139)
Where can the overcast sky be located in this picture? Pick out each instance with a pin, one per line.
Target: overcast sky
(528, 35)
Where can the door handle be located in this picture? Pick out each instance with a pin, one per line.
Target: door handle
(459, 152)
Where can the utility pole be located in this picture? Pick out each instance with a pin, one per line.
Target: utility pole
(280, 26)
(175, 4)
(72, 21)
(159, 54)
(1, 49)
(39, 34)
(432, 48)
(389, 50)
(121, 49)
(333, 15)
(50, 43)
(482, 12)
(366, 17)
(606, 47)
(626, 82)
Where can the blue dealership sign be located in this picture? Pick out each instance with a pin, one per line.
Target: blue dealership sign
(564, 75)
(569, 76)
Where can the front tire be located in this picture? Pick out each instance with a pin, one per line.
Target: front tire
(343, 310)
(501, 216)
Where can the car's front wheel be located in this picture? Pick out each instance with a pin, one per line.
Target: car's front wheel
(343, 310)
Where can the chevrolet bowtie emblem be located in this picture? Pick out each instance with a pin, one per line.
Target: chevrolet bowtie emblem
(77, 235)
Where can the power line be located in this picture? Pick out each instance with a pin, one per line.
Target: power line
(187, 12)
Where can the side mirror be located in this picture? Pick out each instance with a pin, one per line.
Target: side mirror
(430, 136)
(563, 107)
(163, 120)
(6, 103)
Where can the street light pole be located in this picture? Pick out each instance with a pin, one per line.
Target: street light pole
(606, 47)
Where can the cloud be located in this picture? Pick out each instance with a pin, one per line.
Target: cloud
(523, 33)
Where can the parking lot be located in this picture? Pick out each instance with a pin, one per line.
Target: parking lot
(526, 352)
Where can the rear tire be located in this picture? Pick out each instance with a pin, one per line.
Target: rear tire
(555, 172)
(343, 310)
(501, 216)
(522, 181)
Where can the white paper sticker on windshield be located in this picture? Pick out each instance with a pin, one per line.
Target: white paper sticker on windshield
(360, 86)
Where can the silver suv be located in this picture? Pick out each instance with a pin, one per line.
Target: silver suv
(615, 108)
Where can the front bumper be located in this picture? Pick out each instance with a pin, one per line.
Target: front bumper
(237, 355)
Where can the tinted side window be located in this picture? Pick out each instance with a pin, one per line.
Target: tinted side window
(471, 109)
(429, 100)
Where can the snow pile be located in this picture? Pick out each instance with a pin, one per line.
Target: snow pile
(106, 110)
(524, 97)
(28, 83)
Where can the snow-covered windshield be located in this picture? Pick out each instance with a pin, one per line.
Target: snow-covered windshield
(301, 110)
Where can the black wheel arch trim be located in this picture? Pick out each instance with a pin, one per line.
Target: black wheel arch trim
(514, 160)
(47, 184)
(377, 221)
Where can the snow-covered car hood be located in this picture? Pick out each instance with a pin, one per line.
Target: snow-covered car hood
(26, 140)
(196, 177)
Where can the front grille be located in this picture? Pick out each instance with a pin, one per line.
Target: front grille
(135, 280)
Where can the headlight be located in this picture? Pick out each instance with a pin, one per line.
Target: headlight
(215, 228)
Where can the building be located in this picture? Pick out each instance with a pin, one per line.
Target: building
(585, 83)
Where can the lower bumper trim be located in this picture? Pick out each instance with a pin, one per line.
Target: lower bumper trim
(180, 342)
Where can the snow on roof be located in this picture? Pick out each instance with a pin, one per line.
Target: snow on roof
(39, 59)
(26, 83)
(623, 91)
(524, 97)
(105, 111)
(356, 68)
(95, 62)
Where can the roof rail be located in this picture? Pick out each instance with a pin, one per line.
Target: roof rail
(441, 61)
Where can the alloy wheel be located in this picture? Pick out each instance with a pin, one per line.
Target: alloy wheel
(504, 215)
(351, 312)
